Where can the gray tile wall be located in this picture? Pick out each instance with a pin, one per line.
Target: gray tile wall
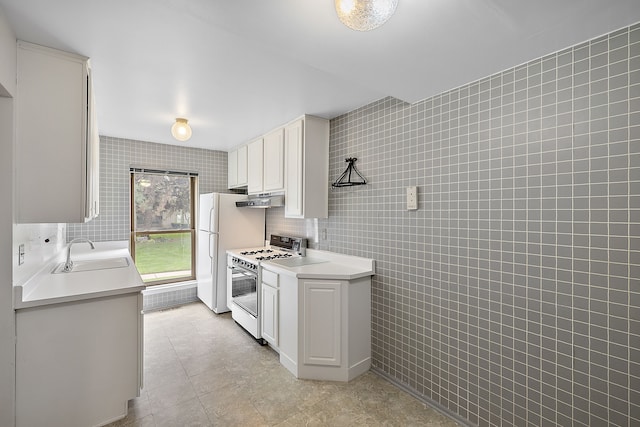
(169, 298)
(118, 155)
(512, 296)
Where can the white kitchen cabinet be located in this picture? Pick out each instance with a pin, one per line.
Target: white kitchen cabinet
(232, 169)
(237, 171)
(325, 327)
(78, 363)
(265, 163)
(57, 144)
(255, 164)
(306, 158)
(322, 322)
(273, 172)
(270, 307)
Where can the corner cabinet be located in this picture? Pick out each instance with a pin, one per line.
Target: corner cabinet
(306, 164)
(325, 327)
(57, 143)
(237, 177)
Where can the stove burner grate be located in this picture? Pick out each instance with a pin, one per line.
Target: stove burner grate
(274, 256)
(256, 252)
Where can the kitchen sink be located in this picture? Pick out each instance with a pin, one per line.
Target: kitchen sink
(298, 261)
(94, 264)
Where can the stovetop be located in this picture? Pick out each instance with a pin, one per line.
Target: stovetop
(266, 254)
(280, 247)
(262, 254)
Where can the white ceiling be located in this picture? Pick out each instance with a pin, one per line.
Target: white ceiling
(238, 68)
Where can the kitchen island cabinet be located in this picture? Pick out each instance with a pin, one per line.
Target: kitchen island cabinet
(57, 143)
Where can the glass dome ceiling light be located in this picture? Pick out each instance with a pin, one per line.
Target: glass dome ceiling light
(365, 15)
(181, 129)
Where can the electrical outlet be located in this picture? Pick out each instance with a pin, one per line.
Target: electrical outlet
(412, 198)
(21, 254)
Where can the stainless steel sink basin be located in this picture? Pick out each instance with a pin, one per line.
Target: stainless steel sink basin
(94, 264)
(298, 262)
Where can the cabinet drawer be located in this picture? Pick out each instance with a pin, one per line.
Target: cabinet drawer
(270, 278)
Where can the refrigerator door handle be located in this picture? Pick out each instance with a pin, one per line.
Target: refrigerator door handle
(211, 220)
(211, 245)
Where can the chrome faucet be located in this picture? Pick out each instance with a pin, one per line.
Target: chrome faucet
(68, 265)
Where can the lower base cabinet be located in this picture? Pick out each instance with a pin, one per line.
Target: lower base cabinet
(269, 317)
(325, 327)
(79, 363)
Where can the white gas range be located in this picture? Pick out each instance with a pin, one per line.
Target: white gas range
(244, 282)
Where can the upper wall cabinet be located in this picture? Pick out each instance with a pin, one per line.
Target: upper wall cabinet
(57, 144)
(306, 155)
(265, 163)
(255, 167)
(273, 172)
(238, 168)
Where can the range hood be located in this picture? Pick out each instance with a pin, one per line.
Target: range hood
(262, 201)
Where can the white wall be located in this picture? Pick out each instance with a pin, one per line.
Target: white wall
(7, 316)
(8, 64)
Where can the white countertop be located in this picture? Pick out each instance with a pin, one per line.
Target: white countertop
(324, 265)
(46, 288)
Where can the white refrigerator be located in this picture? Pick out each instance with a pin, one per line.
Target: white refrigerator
(222, 226)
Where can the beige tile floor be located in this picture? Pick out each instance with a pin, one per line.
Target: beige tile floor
(201, 369)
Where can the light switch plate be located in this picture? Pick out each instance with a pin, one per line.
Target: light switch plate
(412, 198)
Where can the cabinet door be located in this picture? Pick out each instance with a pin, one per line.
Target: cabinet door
(274, 161)
(53, 136)
(289, 322)
(232, 177)
(255, 165)
(93, 155)
(242, 166)
(322, 322)
(293, 152)
(270, 314)
(80, 370)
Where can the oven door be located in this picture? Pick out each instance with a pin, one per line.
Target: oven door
(244, 289)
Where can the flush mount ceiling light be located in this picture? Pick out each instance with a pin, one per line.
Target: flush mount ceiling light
(365, 15)
(181, 129)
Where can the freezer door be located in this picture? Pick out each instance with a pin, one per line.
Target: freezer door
(214, 213)
(207, 212)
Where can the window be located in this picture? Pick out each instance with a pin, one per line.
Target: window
(163, 225)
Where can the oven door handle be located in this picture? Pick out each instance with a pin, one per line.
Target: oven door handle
(243, 270)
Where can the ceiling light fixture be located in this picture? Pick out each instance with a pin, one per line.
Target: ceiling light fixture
(181, 129)
(365, 15)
